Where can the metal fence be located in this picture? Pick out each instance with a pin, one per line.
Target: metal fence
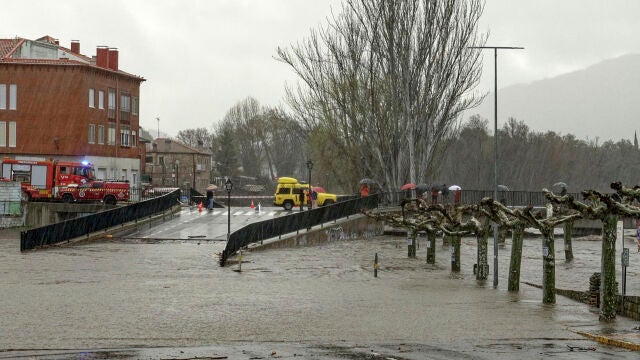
(295, 221)
(85, 225)
(470, 197)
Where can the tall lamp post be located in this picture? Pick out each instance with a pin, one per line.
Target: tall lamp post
(495, 148)
(228, 185)
(177, 173)
(310, 166)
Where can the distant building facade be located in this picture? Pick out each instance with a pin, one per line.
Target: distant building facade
(173, 164)
(57, 103)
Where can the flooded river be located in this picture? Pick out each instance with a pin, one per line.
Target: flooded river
(127, 293)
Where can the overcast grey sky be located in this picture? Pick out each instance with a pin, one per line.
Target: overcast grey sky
(201, 57)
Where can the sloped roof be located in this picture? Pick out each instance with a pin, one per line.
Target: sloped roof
(8, 47)
(165, 145)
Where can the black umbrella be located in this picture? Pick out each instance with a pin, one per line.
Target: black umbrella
(422, 187)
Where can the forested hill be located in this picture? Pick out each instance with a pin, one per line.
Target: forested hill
(530, 160)
(601, 101)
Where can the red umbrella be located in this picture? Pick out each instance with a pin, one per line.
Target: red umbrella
(408, 186)
(319, 189)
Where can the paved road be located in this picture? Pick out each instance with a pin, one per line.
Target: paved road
(136, 298)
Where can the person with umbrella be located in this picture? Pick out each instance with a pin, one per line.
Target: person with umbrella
(445, 193)
(457, 193)
(210, 190)
(364, 190)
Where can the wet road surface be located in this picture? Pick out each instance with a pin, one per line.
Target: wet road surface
(170, 299)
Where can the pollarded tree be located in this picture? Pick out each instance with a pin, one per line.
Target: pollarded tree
(388, 79)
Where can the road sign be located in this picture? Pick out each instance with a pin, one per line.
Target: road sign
(625, 257)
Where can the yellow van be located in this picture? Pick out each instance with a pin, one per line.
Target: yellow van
(288, 194)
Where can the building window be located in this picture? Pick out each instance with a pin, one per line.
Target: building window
(92, 98)
(124, 135)
(112, 104)
(101, 99)
(12, 134)
(3, 133)
(13, 97)
(3, 97)
(101, 134)
(112, 134)
(125, 106)
(92, 134)
(133, 139)
(102, 174)
(134, 105)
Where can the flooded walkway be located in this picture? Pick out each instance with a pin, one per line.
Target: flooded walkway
(128, 293)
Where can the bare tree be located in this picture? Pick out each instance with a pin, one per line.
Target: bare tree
(387, 80)
(200, 137)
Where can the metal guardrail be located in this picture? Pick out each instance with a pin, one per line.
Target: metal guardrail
(85, 225)
(295, 221)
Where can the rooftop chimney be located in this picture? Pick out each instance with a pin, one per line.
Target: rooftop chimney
(113, 59)
(75, 46)
(102, 56)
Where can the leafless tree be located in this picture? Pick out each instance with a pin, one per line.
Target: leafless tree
(198, 138)
(385, 81)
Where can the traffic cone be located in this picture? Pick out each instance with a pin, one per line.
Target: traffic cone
(200, 207)
(252, 206)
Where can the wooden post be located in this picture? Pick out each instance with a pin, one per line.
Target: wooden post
(548, 267)
(516, 258)
(482, 272)
(375, 266)
(568, 248)
(455, 253)
(431, 247)
(608, 288)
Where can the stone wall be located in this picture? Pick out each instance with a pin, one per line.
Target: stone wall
(630, 307)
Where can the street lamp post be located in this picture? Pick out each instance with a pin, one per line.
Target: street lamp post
(228, 185)
(177, 173)
(310, 166)
(495, 151)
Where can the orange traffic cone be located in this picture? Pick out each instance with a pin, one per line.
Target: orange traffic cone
(252, 206)
(200, 207)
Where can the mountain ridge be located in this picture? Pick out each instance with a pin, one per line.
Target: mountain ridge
(599, 102)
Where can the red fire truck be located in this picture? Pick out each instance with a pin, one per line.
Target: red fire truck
(110, 192)
(41, 180)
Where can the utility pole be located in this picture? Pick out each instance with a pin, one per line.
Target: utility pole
(495, 152)
(158, 126)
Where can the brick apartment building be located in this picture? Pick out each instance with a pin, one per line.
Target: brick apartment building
(173, 164)
(57, 103)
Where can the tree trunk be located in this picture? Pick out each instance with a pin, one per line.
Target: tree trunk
(548, 267)
(516, 258)
(411, 243)
(431, 247)
(455, 253)
(446, 240)
(608, 288)
(482, 271)
(568, 233)
(502, 234)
